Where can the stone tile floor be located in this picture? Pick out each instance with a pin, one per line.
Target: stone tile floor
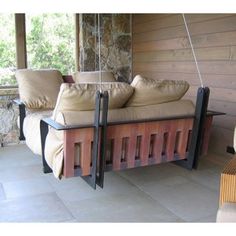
(161, 193)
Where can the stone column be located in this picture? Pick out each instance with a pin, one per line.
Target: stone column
(115, 30)
(9, 132)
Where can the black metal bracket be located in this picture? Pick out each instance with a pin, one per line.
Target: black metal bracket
(97, 170)
(100, 174)
(91, 179)
(43, 135)
(22, 115)
(197, 132)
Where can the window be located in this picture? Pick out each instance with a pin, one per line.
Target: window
(7, 50)
(50, 41)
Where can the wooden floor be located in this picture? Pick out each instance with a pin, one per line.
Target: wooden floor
(161, 193)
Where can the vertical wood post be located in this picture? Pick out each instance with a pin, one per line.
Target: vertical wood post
(21, 55)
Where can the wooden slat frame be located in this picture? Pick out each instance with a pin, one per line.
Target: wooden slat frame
(175, 149)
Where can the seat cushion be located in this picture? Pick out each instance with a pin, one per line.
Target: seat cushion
(31, 129)
(93, 76)
(165, 110)
(38, 89)
(81, 97)
(149, 91)
(227, 213)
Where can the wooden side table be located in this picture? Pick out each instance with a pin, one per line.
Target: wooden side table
(228, 183)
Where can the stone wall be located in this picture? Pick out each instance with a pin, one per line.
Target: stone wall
(9, 132)
(115, 31)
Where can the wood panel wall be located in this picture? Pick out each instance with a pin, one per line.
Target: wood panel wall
(161, 50)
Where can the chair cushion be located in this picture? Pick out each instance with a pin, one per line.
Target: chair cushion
(149, 91)
(81, 97)
(93, 76)
(31, 129)
(38, 89)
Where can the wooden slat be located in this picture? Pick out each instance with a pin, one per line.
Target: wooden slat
(214, 26)
(206, 134)
(69, 153)
(117, 154)
(131, 151)
(140, 18)
(202, 54)
(158, 144)
(145, 144)
(85, 158)
(228, 183)
(199, 41)
(183, 138)
(151, 24)
(208, 67)
(170, 147)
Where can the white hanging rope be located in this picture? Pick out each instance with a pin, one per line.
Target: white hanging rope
(99, 54)
(195, 59)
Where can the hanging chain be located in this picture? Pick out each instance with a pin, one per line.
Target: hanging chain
(195, 59)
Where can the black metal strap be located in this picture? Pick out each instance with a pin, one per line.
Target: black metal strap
(91, 179)
(197, 132)
(100, 174)
(22, 115)
(43, 135)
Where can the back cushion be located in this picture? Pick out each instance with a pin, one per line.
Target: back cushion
(39, 89)
(81, 97)
(150, 92)
(93, 77)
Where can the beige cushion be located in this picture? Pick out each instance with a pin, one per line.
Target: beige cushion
(149, 91)
(227, 213)
(93, 76)
(54, 140)
(31, 129)
(80, 97)
(38, 89)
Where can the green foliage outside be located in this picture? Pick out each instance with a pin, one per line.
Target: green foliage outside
(50, 44)
(7, 49)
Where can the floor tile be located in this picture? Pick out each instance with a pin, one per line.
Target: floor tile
(40, 208)
(17, 156)
(27, 187)
(134, 206)
(151, 174)
(207, 219)
(160, 193)
(74, 189)
(2, 194)
(189, 201)
(20, 173)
